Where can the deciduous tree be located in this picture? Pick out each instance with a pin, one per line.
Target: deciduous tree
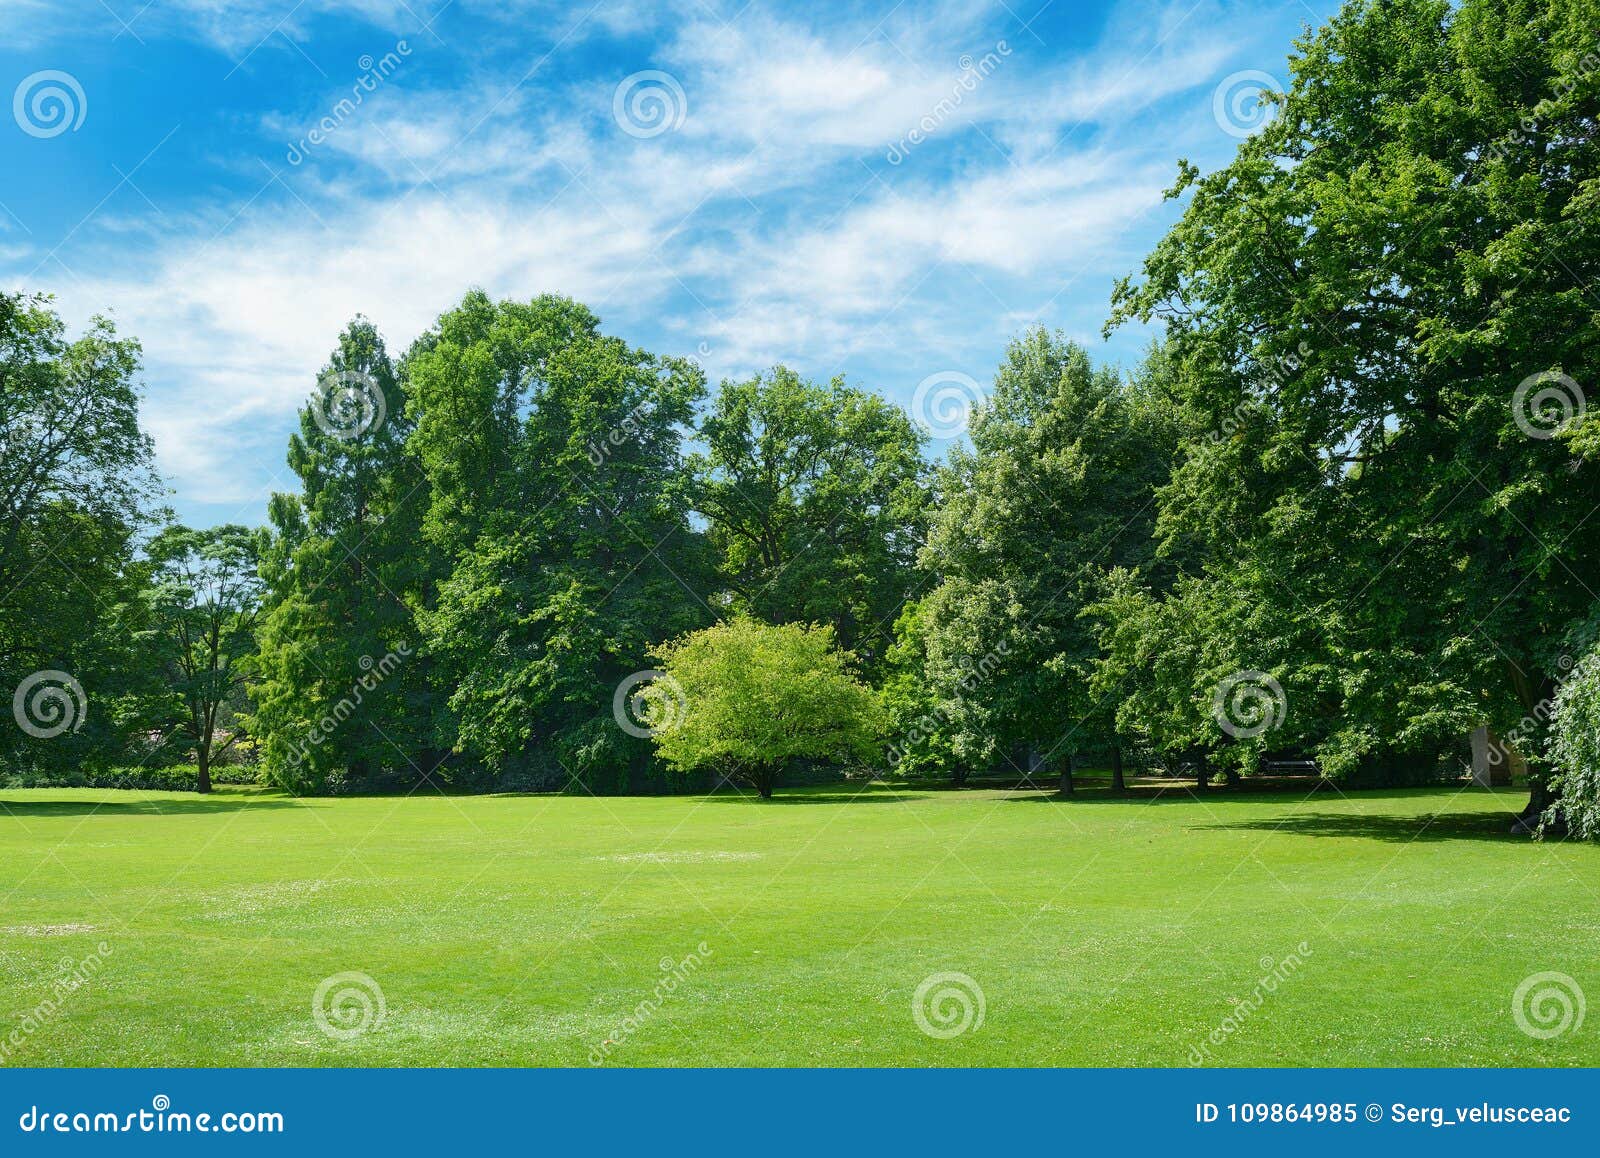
(1396, 274)
(745, 698)
(815, 498)
(204, 596)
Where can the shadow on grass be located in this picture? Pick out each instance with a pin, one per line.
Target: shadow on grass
(1395, 828)
(1173, 792)
(830, 795)
(1098, 787)
(211, 805)
(1251, 791)
(1423, 828)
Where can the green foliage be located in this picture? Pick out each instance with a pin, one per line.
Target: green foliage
(347, 570)
(1354, 308)
(816, 504)
(145, 777)
(203, 599)
(1057, 491)
(559, 500)
(744, 698)
(76, 488)
(914, 718)
(1349, 491)
(1574, 751)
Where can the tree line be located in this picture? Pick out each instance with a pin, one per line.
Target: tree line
(1341, 512)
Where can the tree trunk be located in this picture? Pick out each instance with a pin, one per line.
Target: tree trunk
(1066, 774)
(765, 779)
(1539, 795)
(1539, 798)
(203, 781)
(1231, 776)
(1202, 776)
(1118, 784)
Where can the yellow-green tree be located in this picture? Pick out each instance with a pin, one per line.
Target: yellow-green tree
(744, 698)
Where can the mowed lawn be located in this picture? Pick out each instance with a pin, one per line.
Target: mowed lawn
(528, 930)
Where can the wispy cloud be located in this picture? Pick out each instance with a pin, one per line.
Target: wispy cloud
(771, 225)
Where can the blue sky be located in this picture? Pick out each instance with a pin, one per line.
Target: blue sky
(885, 191)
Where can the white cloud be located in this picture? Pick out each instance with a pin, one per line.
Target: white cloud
(894, 254)
(768, 226)
(236, 330)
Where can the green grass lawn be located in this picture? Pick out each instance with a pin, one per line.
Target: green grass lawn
(525, 930)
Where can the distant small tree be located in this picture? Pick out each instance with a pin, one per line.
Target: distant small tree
(743, 698)
(204, 597)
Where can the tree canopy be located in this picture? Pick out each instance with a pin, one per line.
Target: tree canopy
(1340, 515)
(815, 501)
(746, 698)
(1384, 298)
(77, 488)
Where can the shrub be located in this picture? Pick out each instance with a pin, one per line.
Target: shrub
(149, 778)
(1574, 751)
